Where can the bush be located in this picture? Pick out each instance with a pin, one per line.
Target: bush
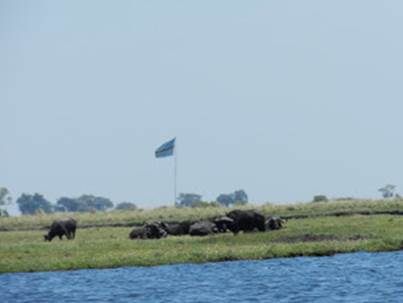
(126, 206)
(240, 203)
(320, 198)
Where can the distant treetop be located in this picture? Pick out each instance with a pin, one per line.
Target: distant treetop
(387, 191)
(238, 197)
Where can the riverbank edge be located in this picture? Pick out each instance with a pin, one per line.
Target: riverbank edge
(298, 255)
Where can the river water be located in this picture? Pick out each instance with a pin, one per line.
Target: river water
(358, 277)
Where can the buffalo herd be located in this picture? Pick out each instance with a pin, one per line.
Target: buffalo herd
(235, 221)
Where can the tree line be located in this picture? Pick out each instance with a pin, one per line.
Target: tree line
(238, 197)
(29, 204)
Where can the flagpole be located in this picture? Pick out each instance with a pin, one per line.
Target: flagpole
(175, 171)
(166, 150)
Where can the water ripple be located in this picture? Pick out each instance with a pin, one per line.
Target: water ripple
(359, 277)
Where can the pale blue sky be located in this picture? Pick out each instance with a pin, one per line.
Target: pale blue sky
(285, 99)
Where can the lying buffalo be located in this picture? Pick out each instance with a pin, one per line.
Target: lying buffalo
(153, 230)
(274, 223)
(223, 223)
(246, 220)
(62, 228)
(177, 229)
(202, 228)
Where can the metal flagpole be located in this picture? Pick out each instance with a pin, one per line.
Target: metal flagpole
(175, 171)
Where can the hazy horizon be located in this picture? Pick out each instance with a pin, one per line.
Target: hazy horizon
(285, 100)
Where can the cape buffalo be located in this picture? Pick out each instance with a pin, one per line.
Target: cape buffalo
(202, 228)
(246, 220)
(274, 223)
(177, 229)
(62, 228)
(223, 223)
(153, 230)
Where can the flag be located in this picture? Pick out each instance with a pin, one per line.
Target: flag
(166, 149)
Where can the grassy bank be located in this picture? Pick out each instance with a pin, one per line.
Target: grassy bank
(171, 214)
(107, 247)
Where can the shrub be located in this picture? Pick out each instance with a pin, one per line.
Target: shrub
(320, 198)
(126, 206)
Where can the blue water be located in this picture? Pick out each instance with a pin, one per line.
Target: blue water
(358, 277)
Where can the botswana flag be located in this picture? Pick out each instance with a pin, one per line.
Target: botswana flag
(166, 149)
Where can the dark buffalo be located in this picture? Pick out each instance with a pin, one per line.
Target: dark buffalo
(246, 220)
(138, 233)
(177, 229)
(62, 228)
(203, 228)
(153, 230)
(274, 223)
(223, 223)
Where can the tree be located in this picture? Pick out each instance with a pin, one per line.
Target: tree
(67, 204)
(84, 203)
(225, 199)
(5, 199)
(95, 203)
(126, 206)
(387, 191)
(238, 197)
(4, 213)
(188, 199)
(31, 204)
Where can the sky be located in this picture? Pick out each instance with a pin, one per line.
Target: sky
(284, 99)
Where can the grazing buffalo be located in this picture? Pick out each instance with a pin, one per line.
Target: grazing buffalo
(153, 230)
(203, 228)
(223, 223)
(246, 220)
(62, 228)
(274, 223)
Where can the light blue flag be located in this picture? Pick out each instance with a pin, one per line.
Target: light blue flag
(166, 149)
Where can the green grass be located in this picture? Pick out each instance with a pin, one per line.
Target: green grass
(171, 214)
(106, 247)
